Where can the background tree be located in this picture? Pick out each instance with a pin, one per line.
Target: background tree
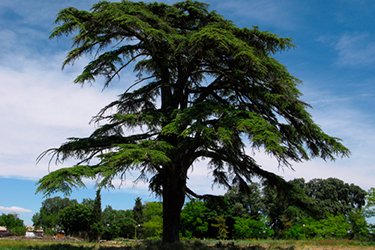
(221, 227)
(324, 198)
(48, 217)
(153, 220)
(12, 224)
(88, 202)
(246, 204)
(331, 226)
(194, 219)
(19, 229)
(138, 211)
(370, 203)
(120, 223)
(76, 220)
(204, 85)
(285, 210)
(251, 228)
(335, 196)
(359, 227)
(96, 227)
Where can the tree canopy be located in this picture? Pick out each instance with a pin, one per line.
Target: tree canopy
(205, 89)
(48, 215)
(12, 224)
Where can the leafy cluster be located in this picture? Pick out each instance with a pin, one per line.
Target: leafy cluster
(12, 224)
(118, 223)
(58, 215)
(48, 215)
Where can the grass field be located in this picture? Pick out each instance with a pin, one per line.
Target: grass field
(18, 244)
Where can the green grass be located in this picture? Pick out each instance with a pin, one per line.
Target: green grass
(12, 244)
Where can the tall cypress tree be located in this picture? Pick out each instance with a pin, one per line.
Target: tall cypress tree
(205, 89)
(138, 211)
(96, 228)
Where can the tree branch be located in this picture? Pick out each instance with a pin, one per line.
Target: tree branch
(204, 196)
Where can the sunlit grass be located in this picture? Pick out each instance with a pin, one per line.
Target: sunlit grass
(201, 244)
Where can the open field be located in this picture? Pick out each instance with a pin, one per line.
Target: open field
(38, 244)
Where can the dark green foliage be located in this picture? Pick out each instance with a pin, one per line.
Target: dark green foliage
(218, 206)
(120, 223)
(89, 224)
(335, 196)
(265, 212)
(248, 228)
(19, 230)
(194, 219)
(48, 217)
(12, 224)
(151, 209)
(328, 201)
(153, 220)
(138, 211)
(360, 228)
(244, 205)
(96, 227)
(332, 226)
(284, 210)
(369, 208)
(204, 85)
(76, 219)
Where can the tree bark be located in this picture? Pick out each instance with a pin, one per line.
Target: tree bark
(174, 185)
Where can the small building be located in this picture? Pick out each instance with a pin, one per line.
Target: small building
(34, 232)
(3, 230)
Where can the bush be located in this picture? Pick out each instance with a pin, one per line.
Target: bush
(19, 231)
(245, 228)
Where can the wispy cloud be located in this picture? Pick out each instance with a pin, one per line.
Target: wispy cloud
(15, 209)
(40, 109)
(267, 12)
(335, 99)
(355, 50)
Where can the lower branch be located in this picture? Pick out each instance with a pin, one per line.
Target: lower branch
(190, 192)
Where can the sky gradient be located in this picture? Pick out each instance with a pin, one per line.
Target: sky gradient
(40, 106)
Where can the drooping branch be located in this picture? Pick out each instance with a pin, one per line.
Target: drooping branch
(62, 180)
(110, 78)
(203, 197)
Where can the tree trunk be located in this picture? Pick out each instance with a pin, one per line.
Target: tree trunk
(174, 185)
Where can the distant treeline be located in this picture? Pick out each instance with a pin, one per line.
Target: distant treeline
(320, 208)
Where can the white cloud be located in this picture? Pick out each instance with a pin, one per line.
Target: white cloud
(15, 209)
(40, 109)
(339, 117)
(342, 117)
(355, 50)
(40, 13)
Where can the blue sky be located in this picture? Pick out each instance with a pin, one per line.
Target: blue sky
(40, 106)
